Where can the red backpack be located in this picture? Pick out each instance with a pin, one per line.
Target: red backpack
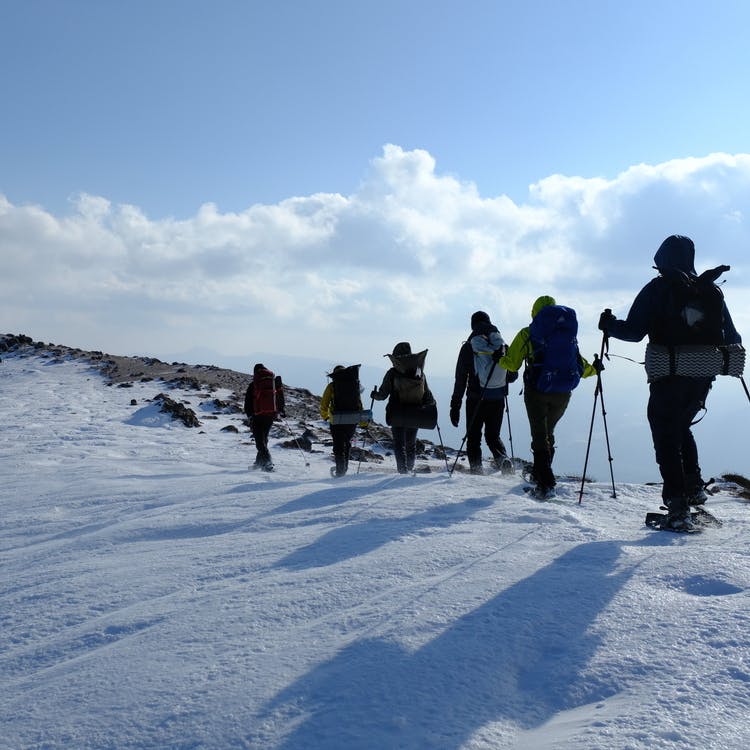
(264, 393)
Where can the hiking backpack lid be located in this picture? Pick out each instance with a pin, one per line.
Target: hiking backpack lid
(346, 389)
(264, 393)
(483, 346)
(408, 364)
(695, 309)
(409, 383)
(555, 365)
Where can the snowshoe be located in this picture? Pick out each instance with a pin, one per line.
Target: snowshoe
(665, 522)
(700, 517)
(540, 493)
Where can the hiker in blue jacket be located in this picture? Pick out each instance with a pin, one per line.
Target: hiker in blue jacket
(675, 400)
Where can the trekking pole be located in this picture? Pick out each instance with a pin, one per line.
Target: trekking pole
(473, 417)
(364, 435)
(598, 392)
(296, 442)
(442, 446)
(606, 434)
(744, 385)
(510, 432)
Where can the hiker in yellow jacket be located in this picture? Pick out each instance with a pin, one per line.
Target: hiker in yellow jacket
(345, 382)
(553, 367)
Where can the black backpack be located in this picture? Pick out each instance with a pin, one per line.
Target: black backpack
(346, 389)
(694, 311)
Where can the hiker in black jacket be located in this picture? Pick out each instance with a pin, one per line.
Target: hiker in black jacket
(405, 387)
(662, 312)
(485, 393)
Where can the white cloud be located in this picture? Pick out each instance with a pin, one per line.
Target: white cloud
(410, 253)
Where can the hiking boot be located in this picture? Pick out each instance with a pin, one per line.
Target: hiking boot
(680, 521)
(540, 492)
(695, 488)
(678, 514)
(698, 497)
(504, 464)
(476, 469)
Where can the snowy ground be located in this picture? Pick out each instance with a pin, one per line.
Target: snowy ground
(157, 594)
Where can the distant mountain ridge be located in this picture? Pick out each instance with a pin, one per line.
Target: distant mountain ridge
(302, 406)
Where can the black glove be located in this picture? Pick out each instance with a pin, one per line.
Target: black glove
(455, 414)
(374, 394)
(511, 376)
(605, 319)
(597, 364)
(498, 353)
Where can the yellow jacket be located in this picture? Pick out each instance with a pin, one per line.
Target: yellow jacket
(327, 406)
(326, 403)
(520, 349)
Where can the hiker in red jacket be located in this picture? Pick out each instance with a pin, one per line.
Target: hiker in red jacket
(264, 401)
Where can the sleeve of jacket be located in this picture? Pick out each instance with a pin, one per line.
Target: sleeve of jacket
(640, 315)
(464, 370)
(428, 398)
(326, 402)
(517, 352)
(249, 401)
(280, 400)
(731, 336)
(588, 369)
(386, 387)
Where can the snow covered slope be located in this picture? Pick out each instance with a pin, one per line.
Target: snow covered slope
(156, 593)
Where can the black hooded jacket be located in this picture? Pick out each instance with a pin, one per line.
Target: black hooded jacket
(652, 309)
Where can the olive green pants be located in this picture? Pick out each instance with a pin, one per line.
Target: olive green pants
(544, 411)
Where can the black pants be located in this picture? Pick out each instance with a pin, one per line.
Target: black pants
(342, 435)
(672, 406)
(544, 411)
(404, 448)
(261, 426)
(488, 416)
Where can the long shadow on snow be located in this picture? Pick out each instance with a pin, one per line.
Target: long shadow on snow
(360, 538)
(517, 658)
(344, 492)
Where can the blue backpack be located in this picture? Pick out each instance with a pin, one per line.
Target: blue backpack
(555, 365)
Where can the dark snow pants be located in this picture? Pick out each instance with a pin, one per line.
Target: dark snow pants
(404, 447)
(484, 415)
(673, 404)
(342, 435)
(261, 426)
(544, 411)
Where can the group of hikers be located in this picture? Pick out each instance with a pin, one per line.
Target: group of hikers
(691, 340)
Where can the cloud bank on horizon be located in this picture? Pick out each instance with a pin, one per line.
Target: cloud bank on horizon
(410, 254)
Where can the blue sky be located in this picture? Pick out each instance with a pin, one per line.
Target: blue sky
(167, 104)
(324, 179)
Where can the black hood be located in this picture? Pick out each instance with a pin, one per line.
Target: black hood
(676, 253)
(483, 328)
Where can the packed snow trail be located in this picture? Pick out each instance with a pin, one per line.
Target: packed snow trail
(158, 594)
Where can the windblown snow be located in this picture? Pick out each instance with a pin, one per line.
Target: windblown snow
(156, 593)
